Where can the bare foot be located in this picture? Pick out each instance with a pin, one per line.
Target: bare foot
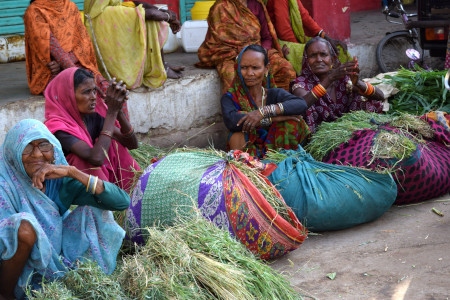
(173, 74)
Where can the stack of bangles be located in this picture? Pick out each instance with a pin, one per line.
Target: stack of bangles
(370, 90)
(269, 111)
(318, 91)
(92, 184)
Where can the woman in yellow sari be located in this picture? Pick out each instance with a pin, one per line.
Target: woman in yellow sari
(234, 24)
(129, 44)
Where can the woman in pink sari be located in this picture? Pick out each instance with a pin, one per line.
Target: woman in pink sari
(95, 134)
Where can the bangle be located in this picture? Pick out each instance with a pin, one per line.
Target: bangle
(314, 95)
(106, 133)
(370, 90)
(261, 111)
(94, 186)
(281, 107)
(321, 33)
(168, 17)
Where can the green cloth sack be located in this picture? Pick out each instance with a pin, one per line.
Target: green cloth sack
(331, 197)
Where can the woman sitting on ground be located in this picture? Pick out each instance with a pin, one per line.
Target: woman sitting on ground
(130, 37)
(41, 237)
(261, 118)
(294, 27)
(56, 39)
(234, 24)
(335, 85)
(95, 135)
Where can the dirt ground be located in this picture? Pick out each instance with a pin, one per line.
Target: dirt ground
(405, 254)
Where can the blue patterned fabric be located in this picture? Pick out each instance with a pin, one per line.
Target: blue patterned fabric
(86, 232)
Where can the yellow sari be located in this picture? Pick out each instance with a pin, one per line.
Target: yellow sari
(127, 46)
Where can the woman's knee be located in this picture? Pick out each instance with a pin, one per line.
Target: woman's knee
(26, 234)
(237, 141)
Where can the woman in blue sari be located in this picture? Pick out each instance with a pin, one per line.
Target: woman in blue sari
(39, 236)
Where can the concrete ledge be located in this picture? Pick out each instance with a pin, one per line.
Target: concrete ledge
(182, 112)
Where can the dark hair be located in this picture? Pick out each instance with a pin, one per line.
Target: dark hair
(80, 76)
(322, 40)
(257, 48)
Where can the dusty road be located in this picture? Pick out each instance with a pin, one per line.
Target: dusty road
(405, 254)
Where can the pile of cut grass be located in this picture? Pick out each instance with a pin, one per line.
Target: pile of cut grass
(191, 260)
(388, 144)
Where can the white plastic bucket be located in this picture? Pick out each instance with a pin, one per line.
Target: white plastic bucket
(192, 34)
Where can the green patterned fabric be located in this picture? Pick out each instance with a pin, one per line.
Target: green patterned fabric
(176, 172)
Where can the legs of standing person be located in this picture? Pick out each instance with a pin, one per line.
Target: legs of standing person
(11, 269)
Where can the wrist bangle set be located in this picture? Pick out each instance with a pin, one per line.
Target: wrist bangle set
(269, 111)
(92, 184)
(106, 133)
(168, 17)
(318, 91)
(370, 90)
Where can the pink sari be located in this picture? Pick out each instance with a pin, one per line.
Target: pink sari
(61, 114)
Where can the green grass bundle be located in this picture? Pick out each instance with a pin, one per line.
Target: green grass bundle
(191, 260)
(387, 145)
(420, 91)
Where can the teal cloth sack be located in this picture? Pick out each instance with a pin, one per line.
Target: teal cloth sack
(331, 197)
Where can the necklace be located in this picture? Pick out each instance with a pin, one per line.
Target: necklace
(263, 96)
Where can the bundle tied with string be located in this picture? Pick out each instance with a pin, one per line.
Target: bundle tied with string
(230, 191)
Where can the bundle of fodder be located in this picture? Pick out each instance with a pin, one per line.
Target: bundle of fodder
(419, 91)
(415, 151)
(193, 259)
(330, 197)
(228, 190)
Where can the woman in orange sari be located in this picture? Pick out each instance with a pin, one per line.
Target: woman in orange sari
(234, 24)
(56, 39)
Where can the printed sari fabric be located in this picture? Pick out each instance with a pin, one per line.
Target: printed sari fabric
(60, 18)
(88, 232)
(231, 27)
(327, 109)
(61, 113)
(130, 47)
(279, 135)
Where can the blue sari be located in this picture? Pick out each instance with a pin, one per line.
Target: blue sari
(84, 233)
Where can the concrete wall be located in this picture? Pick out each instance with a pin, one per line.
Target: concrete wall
(182, 112)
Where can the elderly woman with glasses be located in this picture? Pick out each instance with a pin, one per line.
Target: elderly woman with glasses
(41, 238)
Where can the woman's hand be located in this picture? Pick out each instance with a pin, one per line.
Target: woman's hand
(250, 121)
(339, 71)
(49, 171)
(54, 67)
(116, 95)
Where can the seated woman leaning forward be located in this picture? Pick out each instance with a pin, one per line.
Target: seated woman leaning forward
(261, 118)
(335, 85)
(88, 126)
(41, 238)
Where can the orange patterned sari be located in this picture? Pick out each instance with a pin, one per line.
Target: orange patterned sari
(231, 27)
(62, 19)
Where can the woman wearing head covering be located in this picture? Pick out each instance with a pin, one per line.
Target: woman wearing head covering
(56, 39)
(94, 133)
(294, 27)
(39, 236)
(261, 118)
(334, 85)
(234, 24)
